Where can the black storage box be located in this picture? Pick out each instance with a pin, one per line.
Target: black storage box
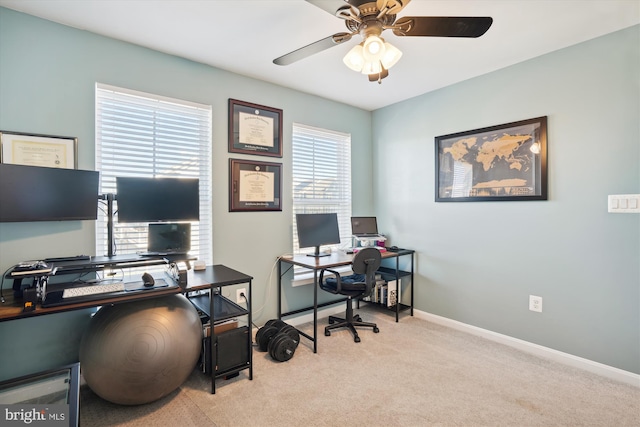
(232, 350)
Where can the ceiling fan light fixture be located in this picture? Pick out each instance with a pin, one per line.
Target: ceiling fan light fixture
(354, 58)
(391, 56)
(372, 67)
(373, 49)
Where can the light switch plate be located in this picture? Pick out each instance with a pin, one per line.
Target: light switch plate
(624, 203)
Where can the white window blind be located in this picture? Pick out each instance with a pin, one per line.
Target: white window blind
(321, 168)
(145, 135)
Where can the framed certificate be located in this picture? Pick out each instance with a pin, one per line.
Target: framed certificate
(254, 186)
(254, 129)
(39, 150)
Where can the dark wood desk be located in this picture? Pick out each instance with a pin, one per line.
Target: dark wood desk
(212, 277)
(11, 309)
(339, 259)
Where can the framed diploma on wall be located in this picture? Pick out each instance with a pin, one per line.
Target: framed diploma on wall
(254, 186)
(254, 129)
(39, 150)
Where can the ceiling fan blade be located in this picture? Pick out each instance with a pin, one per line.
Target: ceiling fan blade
(332, 6)
(391, 7)
(312, 48)
(442, 26)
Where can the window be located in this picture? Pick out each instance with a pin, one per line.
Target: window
(144, 135)
(321, 177)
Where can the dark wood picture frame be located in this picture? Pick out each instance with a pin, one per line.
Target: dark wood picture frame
(506, 162)
(254, 129)
(254, 186)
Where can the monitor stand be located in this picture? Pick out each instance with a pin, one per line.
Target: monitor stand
(317, 253)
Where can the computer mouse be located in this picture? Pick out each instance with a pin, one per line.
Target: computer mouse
(148, 280)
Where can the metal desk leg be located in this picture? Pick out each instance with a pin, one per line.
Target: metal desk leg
(213, 343)
(279, 289)
(315, 311)
(412, 283)
(398, 288)
(250, 333)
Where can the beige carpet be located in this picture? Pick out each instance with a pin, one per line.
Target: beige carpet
(413, 373)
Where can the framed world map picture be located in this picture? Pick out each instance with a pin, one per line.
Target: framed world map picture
(499, 163)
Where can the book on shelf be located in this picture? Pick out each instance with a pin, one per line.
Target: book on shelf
(220, 326)
(392, 293)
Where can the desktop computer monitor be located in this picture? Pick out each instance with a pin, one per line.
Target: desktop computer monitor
(35, 193)
(315, 230)
(143, 199)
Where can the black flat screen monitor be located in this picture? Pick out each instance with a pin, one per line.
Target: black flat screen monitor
(35, 193)
(157, 199)
(315, 230)
(169, 238)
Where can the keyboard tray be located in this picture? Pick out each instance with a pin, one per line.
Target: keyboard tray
(54, 295)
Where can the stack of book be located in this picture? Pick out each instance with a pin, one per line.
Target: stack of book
(385, 293)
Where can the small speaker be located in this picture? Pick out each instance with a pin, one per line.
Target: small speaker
(182, 275)
(29, 299)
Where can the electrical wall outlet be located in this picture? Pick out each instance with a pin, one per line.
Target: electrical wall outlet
(239, 298)
(535, 303)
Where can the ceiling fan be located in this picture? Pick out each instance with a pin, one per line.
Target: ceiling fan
(369, 18)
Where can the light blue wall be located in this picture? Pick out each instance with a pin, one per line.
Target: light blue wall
(478, 263)
(47, 78)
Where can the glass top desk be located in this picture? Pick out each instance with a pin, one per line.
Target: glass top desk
(340, 259)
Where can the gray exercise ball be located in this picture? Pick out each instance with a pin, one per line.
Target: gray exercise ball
(137, 352)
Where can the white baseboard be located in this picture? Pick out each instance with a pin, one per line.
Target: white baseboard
(538, 350)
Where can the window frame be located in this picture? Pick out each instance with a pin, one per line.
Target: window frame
(151, 125)
(305, 166)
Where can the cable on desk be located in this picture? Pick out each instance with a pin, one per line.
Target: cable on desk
(2, 282)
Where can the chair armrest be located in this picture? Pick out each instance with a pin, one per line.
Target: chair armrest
(336, 274)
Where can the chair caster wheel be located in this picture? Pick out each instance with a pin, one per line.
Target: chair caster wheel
(327, 333)
(357, 339)
(357, 318)
(376, 330)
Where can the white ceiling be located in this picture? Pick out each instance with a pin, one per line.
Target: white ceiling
(244, 36)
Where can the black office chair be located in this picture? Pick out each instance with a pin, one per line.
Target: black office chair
(365, 264)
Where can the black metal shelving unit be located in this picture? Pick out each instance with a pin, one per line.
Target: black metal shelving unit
(227, 353)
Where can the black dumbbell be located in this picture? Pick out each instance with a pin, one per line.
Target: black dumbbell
(268, 331)
(279, 339)
(283, 345)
